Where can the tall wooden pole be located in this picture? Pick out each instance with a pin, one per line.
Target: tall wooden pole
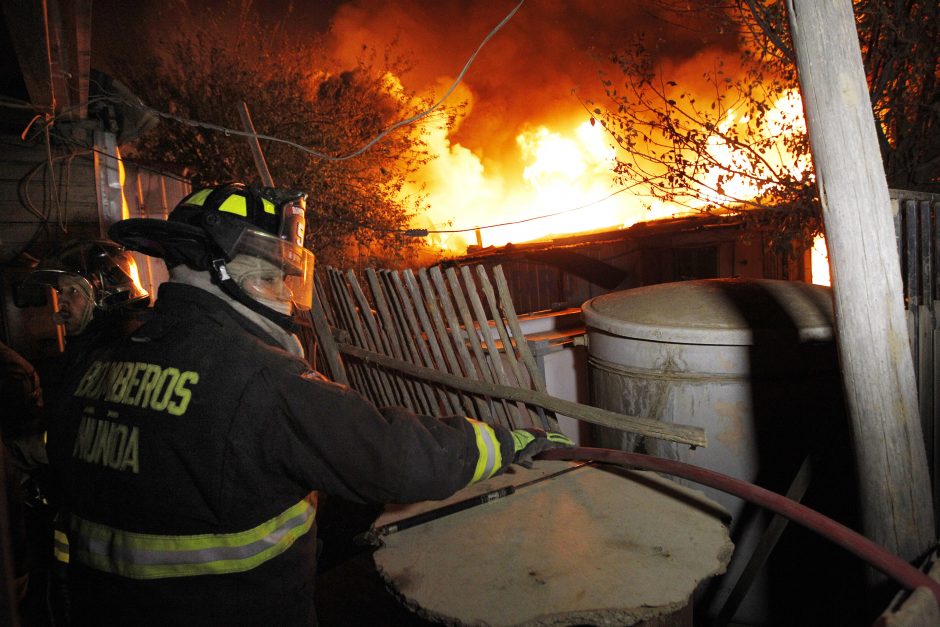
(866, 278)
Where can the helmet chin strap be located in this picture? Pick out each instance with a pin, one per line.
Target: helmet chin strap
(223, 279)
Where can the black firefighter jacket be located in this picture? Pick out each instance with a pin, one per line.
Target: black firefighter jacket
(188, 453)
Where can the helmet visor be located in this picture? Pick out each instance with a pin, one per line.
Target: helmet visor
(110, 272)
(269, 268)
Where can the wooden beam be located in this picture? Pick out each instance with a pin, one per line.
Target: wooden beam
(684, 434)
(872, 336)
(26, 22)
(52, 39)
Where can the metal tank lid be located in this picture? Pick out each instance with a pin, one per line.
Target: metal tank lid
(716, 311)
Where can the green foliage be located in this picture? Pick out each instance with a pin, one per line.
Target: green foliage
(355, 206)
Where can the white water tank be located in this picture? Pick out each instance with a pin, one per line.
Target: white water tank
(753, 362)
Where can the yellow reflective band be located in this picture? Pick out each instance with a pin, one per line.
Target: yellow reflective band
(521, 439)
(199, 197)
(490, 458)
(235, 204)
(152, 556)
(60, 546)
(269, 207)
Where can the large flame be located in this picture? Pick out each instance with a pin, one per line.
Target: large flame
(566, 186)
(783, 118)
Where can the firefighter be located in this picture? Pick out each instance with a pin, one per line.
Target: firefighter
(191, 452)
(98, 288)
(99, 299)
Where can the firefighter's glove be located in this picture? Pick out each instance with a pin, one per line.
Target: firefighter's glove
(528, 443)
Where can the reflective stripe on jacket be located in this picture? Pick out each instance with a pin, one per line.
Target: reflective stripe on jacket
(154, 556)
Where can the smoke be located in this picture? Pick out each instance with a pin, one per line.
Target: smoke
(534, 73)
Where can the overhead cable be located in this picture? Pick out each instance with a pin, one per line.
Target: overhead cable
(316, 153)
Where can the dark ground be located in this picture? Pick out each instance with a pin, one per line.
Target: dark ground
(349, 589)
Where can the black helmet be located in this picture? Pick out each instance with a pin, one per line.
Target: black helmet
(106, 270)
(215, 227)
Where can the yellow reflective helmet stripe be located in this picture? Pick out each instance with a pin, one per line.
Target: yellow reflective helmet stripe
(198, 197)
(60, 546)
(237, 204)
(153, 556)
(490, 459)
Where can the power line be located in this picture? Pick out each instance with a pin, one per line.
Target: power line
(541, 217)
(316, 153)
(412, 232)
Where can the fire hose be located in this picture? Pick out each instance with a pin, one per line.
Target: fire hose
(872, 553)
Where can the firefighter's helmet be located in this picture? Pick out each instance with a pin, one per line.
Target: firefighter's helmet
(106, 271)
(247, 237)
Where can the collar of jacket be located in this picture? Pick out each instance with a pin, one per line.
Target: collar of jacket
(171, 296)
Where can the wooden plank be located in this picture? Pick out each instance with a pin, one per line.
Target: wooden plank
(935, 443)
(500, 411)
(505, 304)
(671, 432)
(356, 370)
(928, 253)
(413, 397)
(521, 378)
(362, 374)
(912, 254)
(486, 337)
(410, 350)
(440, 330)
(548, 422)
(326, 341)
(895, 493)
(926, 373)
(328, 312)
(531, 419)
(411, 284)
(485, 406)
(370, 335)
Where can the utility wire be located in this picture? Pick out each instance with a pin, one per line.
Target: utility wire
(317, 153)
(412, 232)
(547, 215)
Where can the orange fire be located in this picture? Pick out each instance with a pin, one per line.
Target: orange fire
(566, 185)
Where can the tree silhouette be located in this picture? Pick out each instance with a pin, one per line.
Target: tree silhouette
(734, 141)
(356, 206)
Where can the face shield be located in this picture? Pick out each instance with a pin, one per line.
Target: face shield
(272, 270)
(108, 272)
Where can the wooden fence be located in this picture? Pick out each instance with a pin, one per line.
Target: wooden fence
(445, 342)
(918, 239)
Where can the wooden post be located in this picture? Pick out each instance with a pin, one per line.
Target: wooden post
(255, 146)
(869, 313)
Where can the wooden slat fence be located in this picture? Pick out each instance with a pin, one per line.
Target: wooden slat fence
(445, 342)
(458, 322)
(917, 230)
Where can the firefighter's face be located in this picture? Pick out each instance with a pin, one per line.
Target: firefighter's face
(262, 281)
(75, 304)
